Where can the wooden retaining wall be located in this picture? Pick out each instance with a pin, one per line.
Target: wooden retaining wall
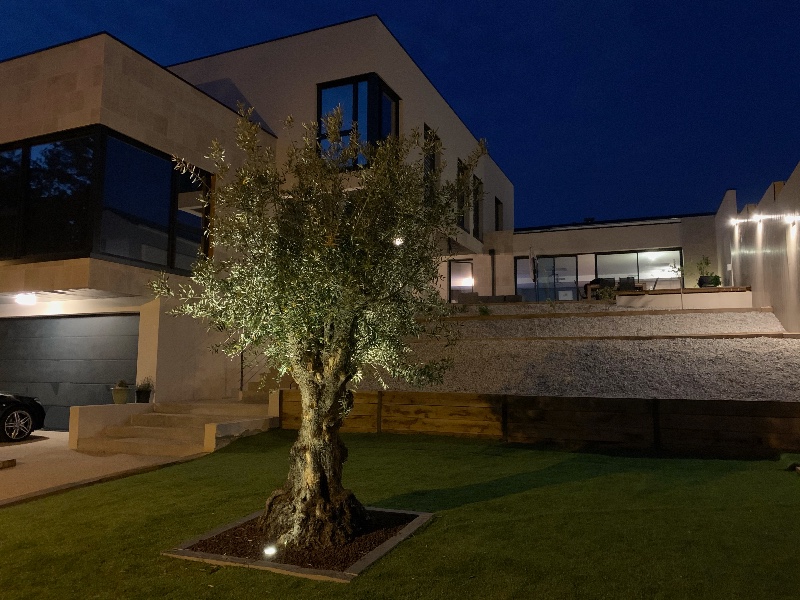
(715, 427)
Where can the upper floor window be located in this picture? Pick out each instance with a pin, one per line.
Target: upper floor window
(431, 162)
(366, 101)
(498, 214)
(477, 201)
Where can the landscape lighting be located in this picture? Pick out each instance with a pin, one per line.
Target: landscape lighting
(398, 241)
(25, 299)
(270, 551)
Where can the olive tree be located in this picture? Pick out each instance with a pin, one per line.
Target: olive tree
(327, 265)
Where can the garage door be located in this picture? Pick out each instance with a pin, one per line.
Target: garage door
(67, 361)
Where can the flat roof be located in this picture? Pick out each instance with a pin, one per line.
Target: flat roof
(592, 224)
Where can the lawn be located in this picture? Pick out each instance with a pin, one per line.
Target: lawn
(511, 522)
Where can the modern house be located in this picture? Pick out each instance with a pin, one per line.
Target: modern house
(91, 208)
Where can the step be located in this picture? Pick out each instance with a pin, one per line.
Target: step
(140, 446)
(229, 410)
(155, 419)
(181, 434)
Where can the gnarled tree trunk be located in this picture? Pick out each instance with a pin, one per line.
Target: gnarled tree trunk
(313, 509)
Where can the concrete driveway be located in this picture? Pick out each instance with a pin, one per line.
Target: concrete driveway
(46, 465)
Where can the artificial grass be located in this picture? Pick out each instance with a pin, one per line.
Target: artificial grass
(511, 522)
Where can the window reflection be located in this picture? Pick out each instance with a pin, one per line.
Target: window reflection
(366, 103)
(136, 204)
(461, 280)
(54, 194)
(189, 220)
(10, 199)
(60, 184)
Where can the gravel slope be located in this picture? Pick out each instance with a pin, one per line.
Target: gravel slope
(629, 324)
(492, 359)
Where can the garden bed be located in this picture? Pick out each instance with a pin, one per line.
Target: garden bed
(242, 544)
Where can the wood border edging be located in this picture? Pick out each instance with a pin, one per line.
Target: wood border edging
(346, 576)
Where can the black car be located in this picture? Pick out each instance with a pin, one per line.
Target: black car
(19, 415)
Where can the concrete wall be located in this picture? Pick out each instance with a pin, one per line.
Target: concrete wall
(279, 78)
(101, 80)
(175, 351)
(764, 244)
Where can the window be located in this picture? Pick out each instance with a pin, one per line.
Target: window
(460, 276)
(461, 198)
(498, 215)
(137, 202)
(431, 163)
(477, 199)
(554, 278)
(366, 102)
(92, 191)
(57, 211)
(10, 200)
(525, 281)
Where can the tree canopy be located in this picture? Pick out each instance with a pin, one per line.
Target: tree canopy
(327, 264)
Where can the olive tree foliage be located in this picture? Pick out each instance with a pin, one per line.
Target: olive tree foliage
(327, 265)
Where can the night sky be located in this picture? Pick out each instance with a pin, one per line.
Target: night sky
(607, 109)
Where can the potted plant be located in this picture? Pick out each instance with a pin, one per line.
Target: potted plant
(707, 277)
(143, 390)
(120, 392)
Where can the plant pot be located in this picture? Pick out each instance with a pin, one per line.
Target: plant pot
(143, 396)
(120, 395)
(708, 281)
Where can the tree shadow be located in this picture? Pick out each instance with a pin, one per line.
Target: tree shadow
(576, 468)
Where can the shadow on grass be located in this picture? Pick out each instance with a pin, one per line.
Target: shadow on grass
(574, 468)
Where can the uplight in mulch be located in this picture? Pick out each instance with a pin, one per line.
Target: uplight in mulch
(271, 552)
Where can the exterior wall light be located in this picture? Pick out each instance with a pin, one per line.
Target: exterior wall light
(25, 299)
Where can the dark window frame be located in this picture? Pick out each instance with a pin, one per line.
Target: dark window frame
(376, 87)
(450, 262)
(99, 134)
(477, 199)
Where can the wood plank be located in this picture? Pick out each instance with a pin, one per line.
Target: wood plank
(441, 399)
(569, 418)
(642, 438)
(761, 425)
(458, 413)
(671, 437)
(584, 403)
(754, 408)
(440, 426)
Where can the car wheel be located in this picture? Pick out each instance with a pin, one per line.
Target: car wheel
(16, 424)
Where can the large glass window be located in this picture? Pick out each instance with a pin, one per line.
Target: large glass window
(191, 217)
(10, 199)
(525, 278)
(554, 278)
(654, 268)
(614, 266)
(366, 103)
(94, 191)
(461, 280)
(137, 198)
(57, 215)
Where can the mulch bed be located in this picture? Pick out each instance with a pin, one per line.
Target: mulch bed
(246, 541)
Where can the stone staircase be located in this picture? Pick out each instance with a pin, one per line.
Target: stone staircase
(173, 429)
